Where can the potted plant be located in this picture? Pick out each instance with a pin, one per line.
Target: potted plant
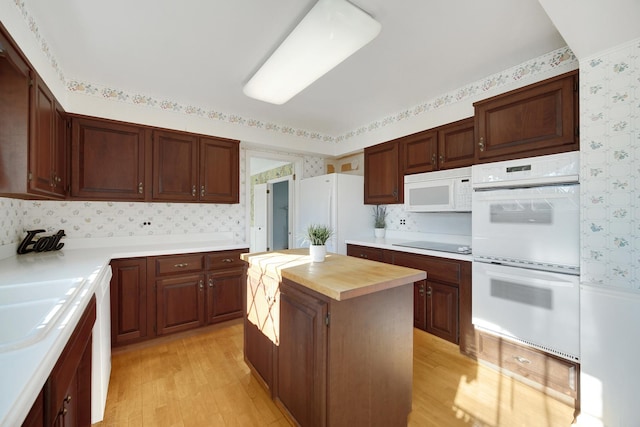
(317, 235)
(380, 220)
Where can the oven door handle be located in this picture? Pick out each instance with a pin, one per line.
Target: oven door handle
(545, 280)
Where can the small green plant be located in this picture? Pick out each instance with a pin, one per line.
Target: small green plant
(318, 234)
(380, 216)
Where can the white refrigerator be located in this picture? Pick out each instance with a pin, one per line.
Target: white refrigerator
(336, 200)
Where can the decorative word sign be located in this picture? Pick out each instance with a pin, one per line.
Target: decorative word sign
(43, 244)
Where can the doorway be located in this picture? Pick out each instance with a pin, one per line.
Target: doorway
(270, 200)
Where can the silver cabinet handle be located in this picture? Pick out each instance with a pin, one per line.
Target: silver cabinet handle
(227, 260)
(181, 265)
(481, 143)
(202, 191)
(522, 360)
(193, 190)
(140, 188)
(211, 283)
(201, 285)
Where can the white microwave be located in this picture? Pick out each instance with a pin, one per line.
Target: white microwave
(438, 191)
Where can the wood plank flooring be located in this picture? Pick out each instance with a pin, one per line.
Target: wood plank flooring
(199, 378)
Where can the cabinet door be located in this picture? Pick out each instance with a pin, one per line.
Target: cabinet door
(456, 145)
(62, 153)
(107, 160)
(15, 90)
(420, 305)
(67, 391)
(224, 295)
(42, 151)
(175, 167)
(180, 303)
(536, 120)
(128, 300)
(419, 152)
(442, 311)
(301, 356)
(383, 181)
(219, 170)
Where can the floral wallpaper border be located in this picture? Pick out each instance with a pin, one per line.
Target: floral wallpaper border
(562, 58)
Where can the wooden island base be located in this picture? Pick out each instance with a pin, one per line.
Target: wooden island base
(327, 361)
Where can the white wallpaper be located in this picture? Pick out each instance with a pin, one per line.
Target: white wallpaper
(610, 171)
(11, 221)
(313, 166)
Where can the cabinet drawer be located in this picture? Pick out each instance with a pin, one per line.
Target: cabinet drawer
(373, 254)
(547, 370)
(225, 259)
(438, 269)
(179, 264)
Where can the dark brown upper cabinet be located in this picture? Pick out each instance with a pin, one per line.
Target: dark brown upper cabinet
(49, 145)
(33, 144)
(383, 181)
(193, 168)
(538, 119)
(219, 170)
(175, 166)
(109, 160)
(445, 147)
(456, 144)
(420, 152)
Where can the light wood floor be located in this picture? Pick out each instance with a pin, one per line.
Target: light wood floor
(200, 379)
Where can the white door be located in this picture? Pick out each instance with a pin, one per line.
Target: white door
(260, 219)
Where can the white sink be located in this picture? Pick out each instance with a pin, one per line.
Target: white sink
(28, 311)
(12, 294)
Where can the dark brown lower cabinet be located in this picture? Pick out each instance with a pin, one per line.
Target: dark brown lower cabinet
(224, 295)
(159, 295)
(442, 311)
(179, 303)
(420, 305)
(67, 392)
(442, 302)
(302, 377)
(336, 363)
(554, 375)
(128, 300)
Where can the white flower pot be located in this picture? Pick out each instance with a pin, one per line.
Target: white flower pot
(379, 233)
(317, 253)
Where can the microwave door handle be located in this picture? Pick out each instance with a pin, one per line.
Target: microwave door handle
(527, 280)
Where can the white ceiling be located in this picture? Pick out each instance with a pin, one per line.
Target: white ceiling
(201, 53)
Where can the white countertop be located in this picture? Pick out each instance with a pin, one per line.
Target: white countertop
(25, 370)
(390, 243)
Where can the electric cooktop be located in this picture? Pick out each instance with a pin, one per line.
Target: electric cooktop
(437, 246)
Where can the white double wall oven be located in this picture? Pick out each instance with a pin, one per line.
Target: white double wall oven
(525, 239)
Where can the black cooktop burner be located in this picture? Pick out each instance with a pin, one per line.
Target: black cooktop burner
(437, 246)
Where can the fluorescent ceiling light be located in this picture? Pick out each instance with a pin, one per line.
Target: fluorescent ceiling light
(331, 32)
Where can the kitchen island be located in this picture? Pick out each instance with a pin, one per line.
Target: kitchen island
(333, 341)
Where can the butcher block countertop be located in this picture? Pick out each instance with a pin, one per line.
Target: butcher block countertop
(339, 277)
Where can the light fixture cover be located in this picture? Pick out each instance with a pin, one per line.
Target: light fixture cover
(331, 32)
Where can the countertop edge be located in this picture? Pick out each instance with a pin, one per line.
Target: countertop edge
(388, 244)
